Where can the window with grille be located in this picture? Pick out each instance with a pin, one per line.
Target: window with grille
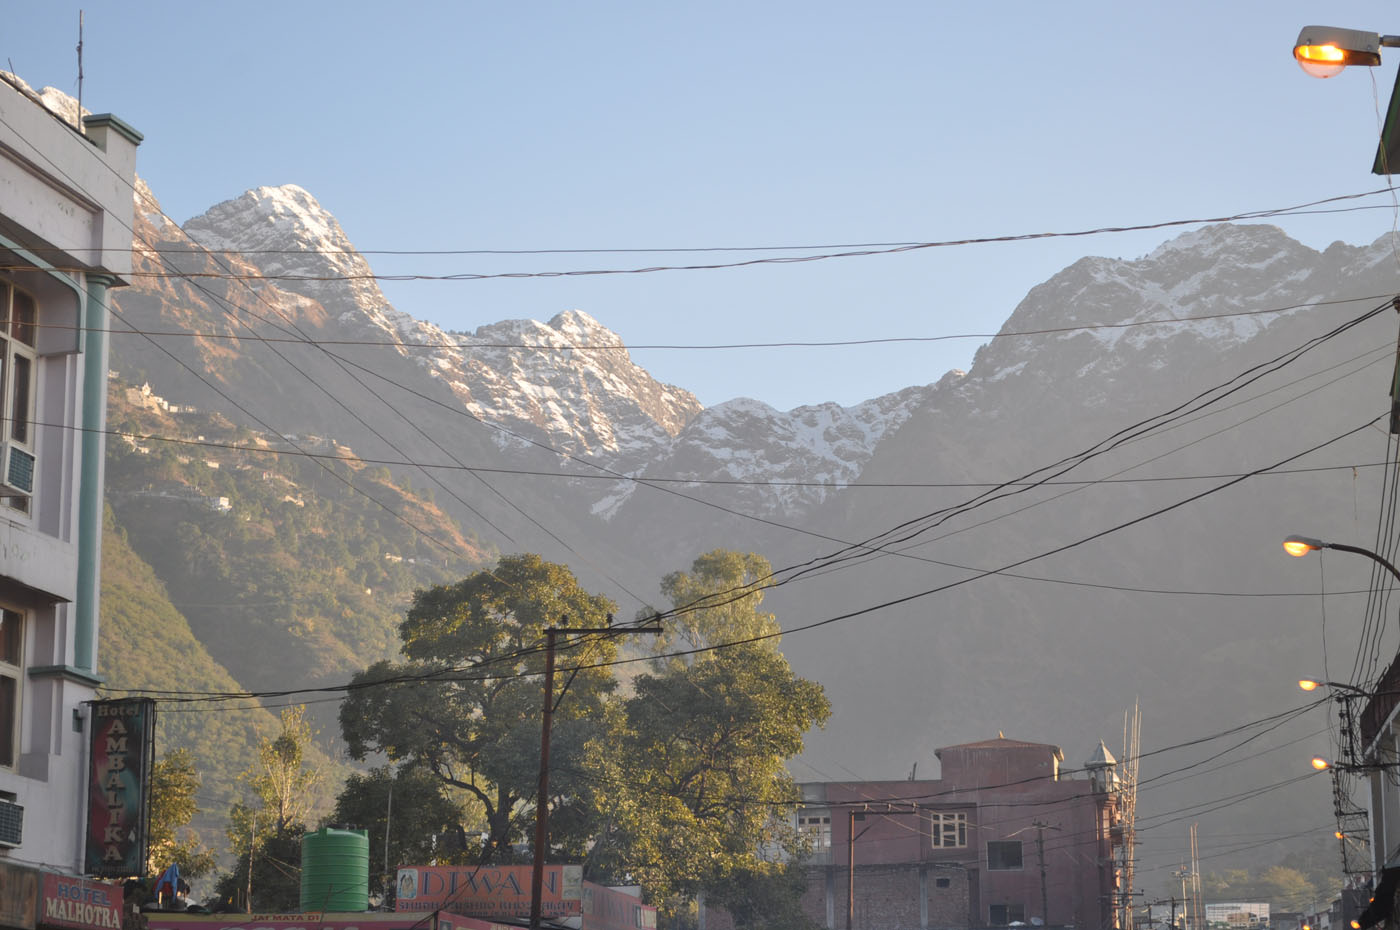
(11, 675)
(1003, 855)
(948, 831)
(815, 827)
(18, 319)
(1004, 914)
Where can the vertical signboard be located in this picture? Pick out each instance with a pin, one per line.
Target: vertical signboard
(119, 782)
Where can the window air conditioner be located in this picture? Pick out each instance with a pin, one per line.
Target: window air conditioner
(11, 823)
(19, 470)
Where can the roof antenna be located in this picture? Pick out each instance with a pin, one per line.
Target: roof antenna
(81, 128)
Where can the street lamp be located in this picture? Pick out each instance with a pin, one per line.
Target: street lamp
(1300, 546)
(1323, 51)
(1308, 684)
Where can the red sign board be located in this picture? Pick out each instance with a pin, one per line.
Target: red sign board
(80, 904)
(489, 892)
(315, 921)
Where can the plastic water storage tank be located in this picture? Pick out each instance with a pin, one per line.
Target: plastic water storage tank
(335, 871)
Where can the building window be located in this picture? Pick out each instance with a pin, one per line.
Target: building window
(942, 883)
(1003, 914)
(815, 827)
(11, 671)
(1003, 855)
(18, 370)
(947, 831)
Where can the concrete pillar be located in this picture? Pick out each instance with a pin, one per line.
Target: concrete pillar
(90, 491)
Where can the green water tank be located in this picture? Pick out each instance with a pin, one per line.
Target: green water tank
(335, 871)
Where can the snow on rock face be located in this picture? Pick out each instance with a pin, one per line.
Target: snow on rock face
(816, 449)
(1212, 271)
(284, 231)
(573, 382)
(567, 383)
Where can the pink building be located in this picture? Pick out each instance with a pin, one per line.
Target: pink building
(1003, 837)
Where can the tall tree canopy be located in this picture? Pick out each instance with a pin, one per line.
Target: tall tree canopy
(719, 600)
(174, 788)
(265, 834)
(465, 704)
(423, 821)
(693, 784)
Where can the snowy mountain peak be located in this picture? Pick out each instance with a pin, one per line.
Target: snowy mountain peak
(289, 236)
(550, 378)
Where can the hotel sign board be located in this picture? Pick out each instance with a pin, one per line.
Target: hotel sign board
(80, 904)
(119, 785)
(489, 892)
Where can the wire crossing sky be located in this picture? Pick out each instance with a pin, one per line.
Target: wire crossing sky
(451, 127)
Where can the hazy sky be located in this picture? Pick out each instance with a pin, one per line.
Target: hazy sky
(540, 126)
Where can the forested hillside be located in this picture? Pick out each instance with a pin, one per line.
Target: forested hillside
(230, 565)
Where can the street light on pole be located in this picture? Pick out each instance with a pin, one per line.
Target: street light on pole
(1325, 51)
(1300, 546)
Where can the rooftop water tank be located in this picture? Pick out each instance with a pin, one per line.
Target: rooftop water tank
(335, 871)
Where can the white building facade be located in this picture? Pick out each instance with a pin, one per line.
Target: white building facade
(66, 201)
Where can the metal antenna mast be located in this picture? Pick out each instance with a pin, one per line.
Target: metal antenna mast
(80, 71)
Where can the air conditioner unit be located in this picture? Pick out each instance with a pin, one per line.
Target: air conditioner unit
(18, 475)
(11, 823)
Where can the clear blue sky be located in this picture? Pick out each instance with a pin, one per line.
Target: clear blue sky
(462, 125)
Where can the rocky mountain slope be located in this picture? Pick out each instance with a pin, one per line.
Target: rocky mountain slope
(1127, 400)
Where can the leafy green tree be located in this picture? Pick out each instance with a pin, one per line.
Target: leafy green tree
(720, 597)
(1287, 888)
(280, 778)
(174, 785)
(767, 897)
(465, 705)
(695, 787)
(423, 821)
(1284, 886)
(265, 835)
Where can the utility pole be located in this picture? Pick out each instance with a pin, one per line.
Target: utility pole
(1040, 852)
(1040, 827)
(542, 789)
(851, 817)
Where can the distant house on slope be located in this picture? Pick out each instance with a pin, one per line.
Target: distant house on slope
(66, 200)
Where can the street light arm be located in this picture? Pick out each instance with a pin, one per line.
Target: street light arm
(1343, 547)
(1299, 546)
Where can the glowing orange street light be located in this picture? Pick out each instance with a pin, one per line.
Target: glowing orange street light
(1320, 763)
(1300, 546)
(1324, 51)
(1308, 684)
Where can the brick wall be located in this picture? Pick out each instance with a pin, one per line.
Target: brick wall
(904, 896)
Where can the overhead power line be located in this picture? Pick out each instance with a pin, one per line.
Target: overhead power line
(786, 259)
(572, 347)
